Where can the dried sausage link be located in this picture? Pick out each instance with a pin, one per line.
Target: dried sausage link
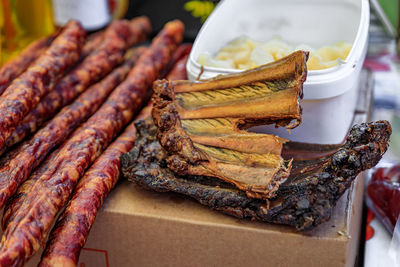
(25, 92)
(118, 37)
(13, 68)
(178, 70)
(29, 155)
(14, 203)
(72, 229)
(181, 51)
(23, 236)
(93, 43)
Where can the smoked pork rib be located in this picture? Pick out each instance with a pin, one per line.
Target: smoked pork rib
(201, 124)
(23, 235)
(72, 229)
(31, 153)
(13, 68)
(118, 37)
(24, 92)
(305, 200)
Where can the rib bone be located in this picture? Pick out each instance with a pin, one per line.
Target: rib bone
(202, 125)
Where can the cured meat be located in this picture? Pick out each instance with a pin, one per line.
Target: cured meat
(15, 202)
(72, 229)
(383, 195)
(179, 59)
(18, 135)
(93, 43)
(13, 68)
(25, 92)
(304, 201)
(30, 154)
(23, 235)
(118, 37)
(181, 51)
(202, 124)
(178, 71)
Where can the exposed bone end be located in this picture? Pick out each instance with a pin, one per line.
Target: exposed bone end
(170, 133)
(201, 124)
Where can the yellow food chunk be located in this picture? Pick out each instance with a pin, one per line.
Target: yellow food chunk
(245, 53)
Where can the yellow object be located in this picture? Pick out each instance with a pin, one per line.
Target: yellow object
(118, 8)
(1, 32)
(23, 21)
(199, 9)
(245, 53)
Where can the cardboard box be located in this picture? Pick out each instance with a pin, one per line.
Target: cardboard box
(136, 227)
(142, 228)
(170, 230)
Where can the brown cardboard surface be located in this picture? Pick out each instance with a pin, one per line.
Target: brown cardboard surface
(170, 230)
(136, 227)
(142, 228)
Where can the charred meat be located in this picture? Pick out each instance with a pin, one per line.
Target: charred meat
(304, 200)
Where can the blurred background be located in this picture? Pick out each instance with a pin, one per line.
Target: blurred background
(22, 21)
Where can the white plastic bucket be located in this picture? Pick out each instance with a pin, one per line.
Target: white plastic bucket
(329, 95)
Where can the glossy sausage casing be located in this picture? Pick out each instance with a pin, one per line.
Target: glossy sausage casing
(72, 229)
(23, 236)
(13, 68)
(118, 37)
(25, 92)
(31, 153)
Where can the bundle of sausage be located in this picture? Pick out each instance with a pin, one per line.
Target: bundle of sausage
(67, 99)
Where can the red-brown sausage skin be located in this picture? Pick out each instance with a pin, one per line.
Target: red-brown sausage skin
(72, 229)
(15, 202)
(182, 51)
(24, 235)
(93, 43)
(24, 92)
(118, 37)
(178, 70)
(13, 68)
(31, 153)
